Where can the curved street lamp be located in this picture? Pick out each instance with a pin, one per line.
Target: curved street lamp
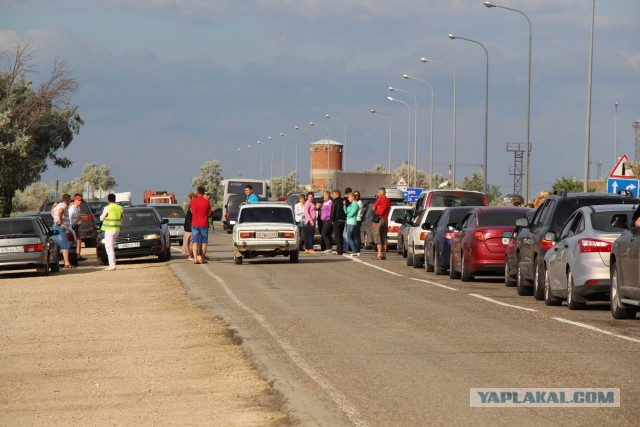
(415, 132)
(408, 131)
(282, 170)
(250, 161)
(486, 109)
(389, 118)
(408, 77)
(344, 149)
(615, 133)
(295, 141)
(453, 71)
(527, 184)
(310, 165)
(260, 144)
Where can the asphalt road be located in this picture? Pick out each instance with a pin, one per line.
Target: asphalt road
(364, 342)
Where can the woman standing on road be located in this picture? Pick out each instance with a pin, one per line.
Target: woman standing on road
(310, 215)
(351, 210)
(186, 240)
(299, 217)
(327, 228)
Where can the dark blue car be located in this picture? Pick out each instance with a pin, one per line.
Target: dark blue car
(437, 243)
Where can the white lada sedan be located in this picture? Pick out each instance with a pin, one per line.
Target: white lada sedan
(266, 229)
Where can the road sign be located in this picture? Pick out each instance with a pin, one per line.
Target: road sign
(614, 185)
(622, 169)
(401, 182)
(412, 194)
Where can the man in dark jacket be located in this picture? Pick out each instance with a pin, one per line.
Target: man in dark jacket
(338, 219)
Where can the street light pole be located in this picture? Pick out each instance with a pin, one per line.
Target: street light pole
(310, 164)
(527, 184)
(344, 149)
(587, 141)
(615, 134)
(486, 109)
(250, 161)
(408, 131)
(406, 76)
(295, 141)
(328, 140)
(282, 166)
(260, 144)
(389, 118)
(453, 71)
(415, 133)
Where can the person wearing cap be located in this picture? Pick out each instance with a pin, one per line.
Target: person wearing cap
(75, 219)
(61, 223)
(200, 210)
(110, 217)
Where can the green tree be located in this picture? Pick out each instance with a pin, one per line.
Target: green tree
(570, 185)
(30, 199)
(406, 171)
(211, 179)
(98, 178)
(286, 186)
(377, 168)
(476, 183)
(34, 124)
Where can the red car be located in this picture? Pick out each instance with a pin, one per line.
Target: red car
(480, 245)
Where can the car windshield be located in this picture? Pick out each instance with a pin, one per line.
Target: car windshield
(170, 211)
(398, 213)
(602, 221)
(270, 214)
(138, 219)
(17, 227)
(499, 218)
(569, 206)
(448, 199)
(96, 207)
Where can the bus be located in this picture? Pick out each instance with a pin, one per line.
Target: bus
(235, 187)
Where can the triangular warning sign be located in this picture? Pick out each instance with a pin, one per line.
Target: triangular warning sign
(623, 169)
(401, 182)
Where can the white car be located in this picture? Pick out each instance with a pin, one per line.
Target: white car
(396, 213)
(414, 244)
(266, 229)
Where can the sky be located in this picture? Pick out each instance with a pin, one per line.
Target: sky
(167, 85)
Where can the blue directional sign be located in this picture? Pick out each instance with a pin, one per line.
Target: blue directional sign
(614, 185)
(412, 194)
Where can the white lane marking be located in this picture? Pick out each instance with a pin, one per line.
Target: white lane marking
(374, 266)
(502, 303)
(434, 284)
(335, 395)
(593, 328)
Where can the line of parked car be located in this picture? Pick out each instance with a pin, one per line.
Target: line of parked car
(577, 247)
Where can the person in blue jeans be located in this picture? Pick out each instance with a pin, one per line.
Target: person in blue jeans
(351, 210)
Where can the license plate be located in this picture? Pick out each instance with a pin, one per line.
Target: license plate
(266, 235)
(505, 240)
(11, 249)
(129, 245)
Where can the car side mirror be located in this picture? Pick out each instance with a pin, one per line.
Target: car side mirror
(550, 236)
(426, 226)
(164, 221)
(522, 222)
(452, 226)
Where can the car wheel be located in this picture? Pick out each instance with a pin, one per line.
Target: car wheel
(91, 243)
(417, 262)
(409, 258)
(508, 280)
(465, 275)
(237, 260)
(437, 268)
(169, 252)
(293, 256)
(428, 266)
(549, 299)
(44, 269)
(163, 256)
(55, 265)
(571, 298)
(618, 309)
(523, 286)
(399, 247)
(538, 283)
(405, 253)
(453, 274)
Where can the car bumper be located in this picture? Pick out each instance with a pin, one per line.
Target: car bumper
(146, 248)
(267, 247)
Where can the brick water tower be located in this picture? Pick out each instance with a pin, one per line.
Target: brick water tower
(326, 158)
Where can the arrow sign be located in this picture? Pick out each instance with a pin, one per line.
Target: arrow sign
(616, 184)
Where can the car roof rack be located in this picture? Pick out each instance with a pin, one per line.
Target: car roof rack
(560, 192)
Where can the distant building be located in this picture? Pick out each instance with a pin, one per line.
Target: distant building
(326, 158)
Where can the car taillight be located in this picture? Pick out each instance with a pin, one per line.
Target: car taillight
(246, 234)
(593, 245)
(546, 244)
(392, 229)
(88, 217)
(478, 235)
(423, 235)
(287, 234)
(69, 237)
(226, 215)
(34, 248)
(450, 235)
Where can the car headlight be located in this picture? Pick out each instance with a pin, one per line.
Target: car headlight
(151, 236)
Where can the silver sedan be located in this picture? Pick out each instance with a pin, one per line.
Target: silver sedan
(577, 267)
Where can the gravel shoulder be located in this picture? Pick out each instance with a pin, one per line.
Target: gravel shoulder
(88, 346)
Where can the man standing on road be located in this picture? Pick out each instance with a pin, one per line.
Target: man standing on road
(200, 210)
(60, 214)
(110, 217)
(381, 207)
(75, 219)
(338, 219)
(251, 197)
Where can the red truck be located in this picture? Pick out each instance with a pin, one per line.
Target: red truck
(151, 196)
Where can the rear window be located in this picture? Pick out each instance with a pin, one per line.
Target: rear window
(455, 198)
(138, 219)
(234, 202)
(499, 218)
(18, 226)
(601, 221)
(398, 214)
(457, 215)
(170, 211)
(96, 207)
(272, 214)
(567, 207)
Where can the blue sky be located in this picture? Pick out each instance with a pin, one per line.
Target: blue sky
(166, 85)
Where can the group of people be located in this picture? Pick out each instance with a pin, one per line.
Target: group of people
(341, 220)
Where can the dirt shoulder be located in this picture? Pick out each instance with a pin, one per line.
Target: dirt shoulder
(126, 347)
